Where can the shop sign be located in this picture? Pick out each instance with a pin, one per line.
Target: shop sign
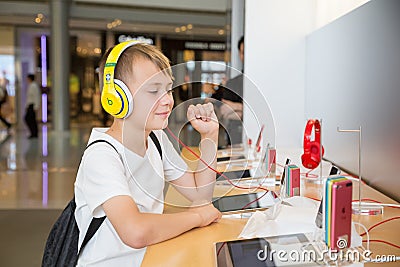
(204, 46)
(124, 38)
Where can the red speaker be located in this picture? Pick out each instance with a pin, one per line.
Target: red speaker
(312, 154)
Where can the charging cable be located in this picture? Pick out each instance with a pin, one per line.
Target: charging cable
(365, 233)
(377, 224)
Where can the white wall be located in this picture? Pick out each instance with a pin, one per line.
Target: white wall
(353, 67)
(275, 60)
(329, 10)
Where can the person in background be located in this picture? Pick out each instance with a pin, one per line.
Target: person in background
(231, 109)
(4, 83)
(32, 106)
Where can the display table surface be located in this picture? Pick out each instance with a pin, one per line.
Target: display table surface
(196, 247)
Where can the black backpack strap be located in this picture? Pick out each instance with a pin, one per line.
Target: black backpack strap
(93, 227)
(152, 136)
(102, 141)
(156, 142)
(95, 222)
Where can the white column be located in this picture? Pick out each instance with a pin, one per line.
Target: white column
(237, 31)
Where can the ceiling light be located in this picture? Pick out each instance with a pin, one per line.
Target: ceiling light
(190, 26)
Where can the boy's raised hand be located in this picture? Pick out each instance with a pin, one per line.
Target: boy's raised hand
(203, 118)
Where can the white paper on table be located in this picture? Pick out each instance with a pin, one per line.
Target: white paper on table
(282, 219)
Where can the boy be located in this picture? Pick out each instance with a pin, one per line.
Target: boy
(127, 186)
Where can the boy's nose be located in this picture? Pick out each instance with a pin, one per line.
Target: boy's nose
(166, 99)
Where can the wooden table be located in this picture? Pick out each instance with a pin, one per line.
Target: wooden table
(196, 247)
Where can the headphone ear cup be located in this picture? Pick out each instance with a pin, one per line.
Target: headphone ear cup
(117, 100)
(305, 159)
(126, 96)
(110, 101)
(315, 152)
(308, 162)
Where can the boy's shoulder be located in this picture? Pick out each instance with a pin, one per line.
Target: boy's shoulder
(100, 134)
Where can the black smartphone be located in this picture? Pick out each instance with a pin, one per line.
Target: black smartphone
(233, 175)
(334, 170)
(283, 173)
(230, 158)
(318, 220)
(241, 202)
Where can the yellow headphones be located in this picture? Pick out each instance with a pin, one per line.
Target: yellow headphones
(116, 98)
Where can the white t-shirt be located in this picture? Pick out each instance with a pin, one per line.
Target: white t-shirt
(33, 95)
(102, 175)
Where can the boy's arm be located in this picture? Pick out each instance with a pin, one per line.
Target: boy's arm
(139, 230)
(199, 185)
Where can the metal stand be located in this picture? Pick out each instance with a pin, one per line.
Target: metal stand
(361, 208)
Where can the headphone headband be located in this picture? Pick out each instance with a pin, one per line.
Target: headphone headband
(307, 132)
(116, 98)
(111, 63)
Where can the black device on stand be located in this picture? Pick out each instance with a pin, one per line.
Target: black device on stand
(283, 173)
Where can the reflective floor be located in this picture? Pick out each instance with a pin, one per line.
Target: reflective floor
(36, 182)
(39, 173)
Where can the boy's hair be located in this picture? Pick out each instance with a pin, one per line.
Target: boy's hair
(124, 68)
